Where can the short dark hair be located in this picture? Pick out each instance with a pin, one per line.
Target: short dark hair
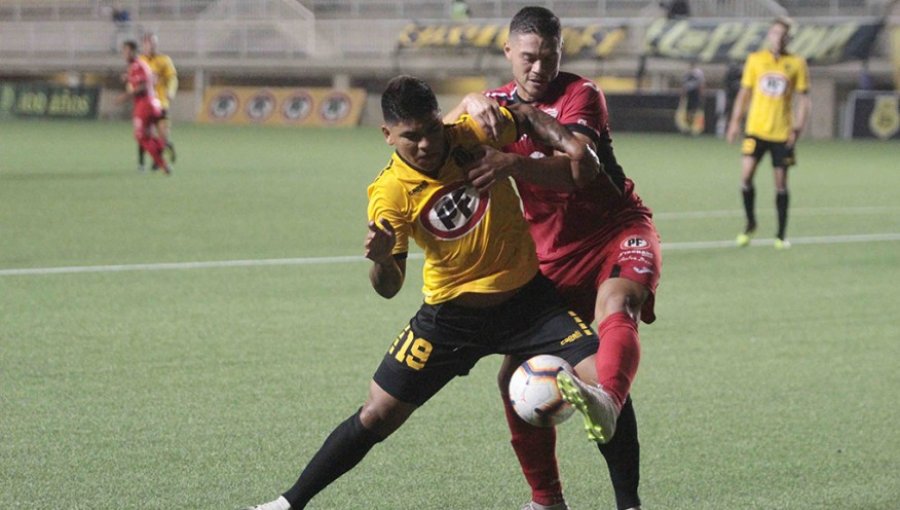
(536, 20)
(407, 97)
(131, 44)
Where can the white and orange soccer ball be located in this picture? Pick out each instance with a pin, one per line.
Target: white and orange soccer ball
(534, 394)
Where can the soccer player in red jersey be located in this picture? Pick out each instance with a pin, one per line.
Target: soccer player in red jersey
(597, 242)
(147, 112)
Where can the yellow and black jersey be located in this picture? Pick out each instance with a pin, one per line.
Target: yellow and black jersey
(166, 77)
(773, 82)
(472, 242)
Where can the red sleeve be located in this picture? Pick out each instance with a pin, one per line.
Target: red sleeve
(585, 110)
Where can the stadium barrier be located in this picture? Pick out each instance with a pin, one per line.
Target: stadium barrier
(282, 106)
(870, 114)
(48, 101)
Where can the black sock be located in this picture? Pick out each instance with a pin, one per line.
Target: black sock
(348, 443)
(781, 205)
(140, 155)
(623, 455)
(749, 194)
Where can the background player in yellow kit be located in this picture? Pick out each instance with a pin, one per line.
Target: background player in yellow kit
(771, 82)
(166, 87)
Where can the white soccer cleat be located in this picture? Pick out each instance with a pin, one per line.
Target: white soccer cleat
(531, 505)
(278, 504)
(595, 405)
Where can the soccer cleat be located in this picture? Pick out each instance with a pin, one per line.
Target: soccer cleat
(141, 169)
(782, 244)
(742, 240)
(278, 504)
(531, 505)
(595, 405)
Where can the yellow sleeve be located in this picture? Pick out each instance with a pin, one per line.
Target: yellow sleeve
(383, 204)
(802, 76)
(472, 132)
(748, 78)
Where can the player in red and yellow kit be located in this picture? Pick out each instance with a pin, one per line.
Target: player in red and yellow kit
(597, 243)
(146, 113)
(772, 80)
(166, 86)
(483, 291)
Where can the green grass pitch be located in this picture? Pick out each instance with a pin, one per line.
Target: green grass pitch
(769, 381)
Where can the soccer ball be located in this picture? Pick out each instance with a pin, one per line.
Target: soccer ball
(534, 394)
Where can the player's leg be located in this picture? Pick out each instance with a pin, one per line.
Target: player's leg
(751, 152)
(141, 152)
(165, 125)
(623, 459)
(782, 159)
(143, 120)
(535, 447)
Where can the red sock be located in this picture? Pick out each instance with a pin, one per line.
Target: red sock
(618, 355)
(536, 449)
(154, 147)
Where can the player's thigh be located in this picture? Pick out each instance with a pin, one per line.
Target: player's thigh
(630, 275)
(752, 151)
(424, 357)
(538, 322)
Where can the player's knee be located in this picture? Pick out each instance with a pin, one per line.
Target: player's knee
(383, 417)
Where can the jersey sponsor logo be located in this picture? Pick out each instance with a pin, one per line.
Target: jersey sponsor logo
(454, 211)
(418, 189)
(634, 242)
(773, 84)
(643, 270)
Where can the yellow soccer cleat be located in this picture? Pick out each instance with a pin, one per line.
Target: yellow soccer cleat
(782, 244)
(595, 405)
(743, 239)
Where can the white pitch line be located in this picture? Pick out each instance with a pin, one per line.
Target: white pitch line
(303, 261)
(795, 211)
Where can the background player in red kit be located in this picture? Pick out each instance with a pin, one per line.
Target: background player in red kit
(146, 111)
(596, 241)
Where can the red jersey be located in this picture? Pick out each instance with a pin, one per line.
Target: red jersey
(140, 75)
(567, 223)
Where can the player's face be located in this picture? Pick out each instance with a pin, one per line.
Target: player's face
(535, 63)
(420, 142)
(148, 45)
(777, 37)
(128, 53)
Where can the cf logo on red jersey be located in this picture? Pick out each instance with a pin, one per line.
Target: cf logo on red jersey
(454, 211)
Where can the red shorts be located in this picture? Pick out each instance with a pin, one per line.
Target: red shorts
(146, 113)
(632, 252)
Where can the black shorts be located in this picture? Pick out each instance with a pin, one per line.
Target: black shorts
(446, 340)
(163, 114)
(782, 153)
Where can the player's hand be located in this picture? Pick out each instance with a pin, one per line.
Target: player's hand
(490, 168)
(380, 241)
(732, 133)
(486, 112)
(792, 138)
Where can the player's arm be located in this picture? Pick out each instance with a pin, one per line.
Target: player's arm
(171, 80)
(483, 109)
(740, 108)
(388, 270)
(804, 105)
(575, 165)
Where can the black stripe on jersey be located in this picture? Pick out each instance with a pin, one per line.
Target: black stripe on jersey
(401, 256)
(586, 131)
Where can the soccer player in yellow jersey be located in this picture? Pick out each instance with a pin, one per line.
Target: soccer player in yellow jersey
(483, 291)
(166, 87)
(774, 86)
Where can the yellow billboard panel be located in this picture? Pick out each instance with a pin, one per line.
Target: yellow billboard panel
(282, 106)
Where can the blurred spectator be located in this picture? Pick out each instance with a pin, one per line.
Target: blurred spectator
(692, 87)
(676, 8)
(732, 84)
(460, 11)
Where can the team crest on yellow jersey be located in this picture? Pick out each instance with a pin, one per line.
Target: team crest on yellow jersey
(454, 211)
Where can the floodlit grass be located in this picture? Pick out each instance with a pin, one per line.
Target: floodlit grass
(768, 382)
